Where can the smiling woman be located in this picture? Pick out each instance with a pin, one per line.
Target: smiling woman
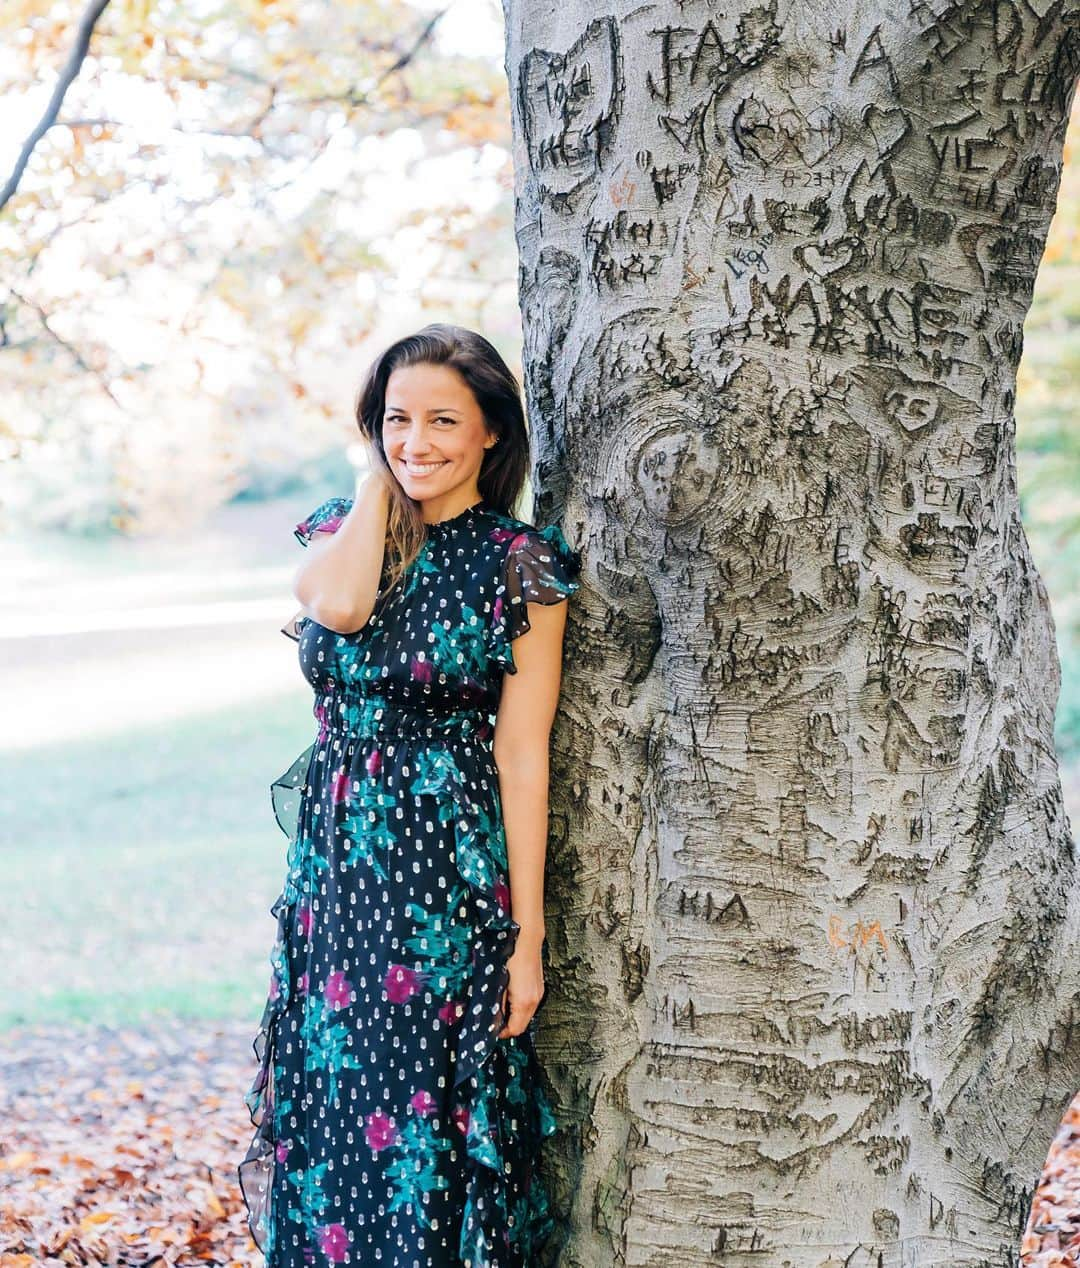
(399, 1102)
(433, 450)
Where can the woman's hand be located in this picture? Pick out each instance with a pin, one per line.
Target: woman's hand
(338, 581)
(526, 986)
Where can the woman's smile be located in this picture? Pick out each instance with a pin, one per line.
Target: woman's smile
(422, 468)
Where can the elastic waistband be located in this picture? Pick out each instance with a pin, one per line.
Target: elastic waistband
(342, 711)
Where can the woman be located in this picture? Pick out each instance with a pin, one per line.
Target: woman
(399, 1106)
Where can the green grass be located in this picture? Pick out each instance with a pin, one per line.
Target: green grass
(141, 870)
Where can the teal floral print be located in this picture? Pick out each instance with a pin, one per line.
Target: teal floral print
(325, 1037)
(414, 1171)
(392, 1126)
(443, 945)
(368, 829)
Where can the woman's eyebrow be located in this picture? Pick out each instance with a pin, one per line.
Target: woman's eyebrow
(441, 409)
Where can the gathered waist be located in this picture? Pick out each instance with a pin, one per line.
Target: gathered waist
(340, 710)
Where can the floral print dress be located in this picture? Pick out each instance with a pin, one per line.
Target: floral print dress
(393, 1129)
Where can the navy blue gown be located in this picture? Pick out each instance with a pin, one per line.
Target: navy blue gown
(393, 1129)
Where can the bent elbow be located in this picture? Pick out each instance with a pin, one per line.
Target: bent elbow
(338, 619)
(346, 621)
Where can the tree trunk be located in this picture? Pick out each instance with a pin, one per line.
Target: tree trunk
(813, 900)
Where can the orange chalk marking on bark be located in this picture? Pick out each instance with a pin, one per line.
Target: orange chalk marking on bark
(858, 934)
(622, 191)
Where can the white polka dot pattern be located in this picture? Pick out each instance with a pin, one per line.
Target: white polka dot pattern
(392, 1127)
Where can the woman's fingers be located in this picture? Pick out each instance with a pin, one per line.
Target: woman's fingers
(519, 1018)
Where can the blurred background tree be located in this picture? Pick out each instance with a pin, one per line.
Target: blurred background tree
(228, 202)
(1048, 443)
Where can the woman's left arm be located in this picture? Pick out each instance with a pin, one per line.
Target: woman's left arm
(522, 736)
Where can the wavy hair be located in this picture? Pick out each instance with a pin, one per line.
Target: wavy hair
(489, 378)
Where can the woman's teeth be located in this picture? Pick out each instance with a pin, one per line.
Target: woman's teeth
(422, 468)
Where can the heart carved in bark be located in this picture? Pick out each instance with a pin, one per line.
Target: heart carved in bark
(887, 127)
(827, 258)
(769, 134)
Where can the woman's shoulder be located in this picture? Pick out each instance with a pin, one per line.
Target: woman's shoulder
(510, 528)
(506, 525)
(529, 547)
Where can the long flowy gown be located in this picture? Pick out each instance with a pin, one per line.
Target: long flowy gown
(393, 1128)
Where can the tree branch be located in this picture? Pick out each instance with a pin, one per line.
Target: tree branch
(67, 77)
(73, 352)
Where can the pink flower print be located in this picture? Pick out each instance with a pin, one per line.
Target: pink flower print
(334, 1242)
(338, 991)
(451, 1011)
(275, 986)
(380, 1130)
(421, 670)
(374, 762)
(502, 896)
(302, 983)
(400, 983)
(423, 1102)
(496, 608)
(339, 786)
(459, 1116)
(304, 920)
(281, 1150)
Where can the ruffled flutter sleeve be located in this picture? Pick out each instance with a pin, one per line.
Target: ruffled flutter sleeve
(540, 567)
(325, 518)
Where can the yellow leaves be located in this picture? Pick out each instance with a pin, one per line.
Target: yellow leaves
(262, 14)
(95, 1219)
(231, 286)
(309, 244)
(129, 35)
(478, 124)
(135, 14)
(300, 322)
(201, 1197)
(130, 56)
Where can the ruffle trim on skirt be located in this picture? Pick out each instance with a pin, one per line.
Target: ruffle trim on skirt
(495, 1080)
(256, 1171)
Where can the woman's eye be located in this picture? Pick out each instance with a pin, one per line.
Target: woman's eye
(399, 419)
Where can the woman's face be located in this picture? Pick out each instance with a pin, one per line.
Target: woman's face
(434, 434)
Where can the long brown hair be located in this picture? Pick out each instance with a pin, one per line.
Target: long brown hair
(505, 464)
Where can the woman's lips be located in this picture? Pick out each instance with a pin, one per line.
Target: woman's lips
(422, 469)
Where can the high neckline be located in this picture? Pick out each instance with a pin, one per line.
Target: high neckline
(461, 516)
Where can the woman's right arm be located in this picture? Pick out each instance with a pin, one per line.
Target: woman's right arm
(338, 582)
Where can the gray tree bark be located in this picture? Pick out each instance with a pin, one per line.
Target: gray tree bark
(813, 900)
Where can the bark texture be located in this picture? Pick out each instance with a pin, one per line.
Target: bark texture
(813, 899)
